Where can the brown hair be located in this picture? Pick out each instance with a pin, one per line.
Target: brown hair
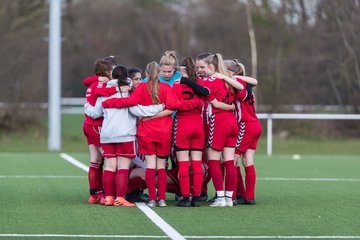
(202, 56)
(235, 66)
(189, 64)
(153, 70)
(103, 68)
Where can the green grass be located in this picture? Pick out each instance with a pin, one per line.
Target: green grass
(284, 207)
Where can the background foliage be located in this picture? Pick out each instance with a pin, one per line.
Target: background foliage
(308, 50)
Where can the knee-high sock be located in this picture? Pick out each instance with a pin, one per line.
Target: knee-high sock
(197, 177)
(184, 178)
(250, 180)
(151, 183)
(216, 176)
(100, 176)
(94, 177)
(230, 178)
(121, 181)
(222, 168)
(136, 184)
(240, 189)
(161, 183)
(109, 183)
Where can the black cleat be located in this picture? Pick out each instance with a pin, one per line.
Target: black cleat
(143, 197)
(250, 202)
(184, 202)
(203, 197)
(244, 201)
(178, 197)
(195, 201)
(240, 200)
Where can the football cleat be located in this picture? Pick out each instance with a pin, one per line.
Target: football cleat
(121, 202)
(162, 203)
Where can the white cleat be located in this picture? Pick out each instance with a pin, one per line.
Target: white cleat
(229, 202)
(219, 202)
(162, 203)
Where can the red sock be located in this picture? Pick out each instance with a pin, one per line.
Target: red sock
(150, 183)
(100, 176)
(230, 178)
(136, 184)
(250, 179)
(161, 183)
(93, 177)
(121, 181)
(222, 168)
(216, 175)
(197, 177)
(109, 183)
(240, 189)
(184, 178)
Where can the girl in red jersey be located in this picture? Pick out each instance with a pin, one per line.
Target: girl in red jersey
(223, 132)
(92, 128)
(153, 134)
(250, 131)
(118, 140)
(188, 137)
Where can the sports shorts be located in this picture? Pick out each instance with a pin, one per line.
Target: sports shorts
(123, 149)
(248, 137)
(92, 134)
(223, 131)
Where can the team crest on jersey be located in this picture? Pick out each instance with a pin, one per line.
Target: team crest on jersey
(210, 79)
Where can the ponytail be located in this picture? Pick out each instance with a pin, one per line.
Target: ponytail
(235, 66)
(189, 65)
(153, 71)
(218, 62)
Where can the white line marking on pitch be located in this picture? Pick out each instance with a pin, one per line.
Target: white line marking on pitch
(75, 162)
(42, 177)
(310, 179)
(198, 237)
(165, 227)
(80, 236)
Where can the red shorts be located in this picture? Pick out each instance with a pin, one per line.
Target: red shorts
(161, 149)
(248, 137)
(223, 131)
(123, 149)
(188, 133)
(92, 134)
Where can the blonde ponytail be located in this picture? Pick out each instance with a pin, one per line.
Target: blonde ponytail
(235, 66)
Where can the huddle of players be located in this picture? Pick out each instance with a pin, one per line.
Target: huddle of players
(201, 113)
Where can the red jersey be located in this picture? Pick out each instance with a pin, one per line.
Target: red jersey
(94, 89)
(220, 92)
(157, 129)
(184, 92)
(247, 107)
(206, 110)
